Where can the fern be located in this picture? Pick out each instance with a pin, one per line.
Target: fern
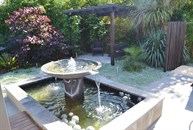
(134, 59)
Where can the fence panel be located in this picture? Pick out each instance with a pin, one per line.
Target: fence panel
(175, 44)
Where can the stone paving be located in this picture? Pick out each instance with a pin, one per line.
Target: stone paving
(178, 103)
(103, 59)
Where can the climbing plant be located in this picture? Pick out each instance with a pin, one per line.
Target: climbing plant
(96, 28)
(71, 29)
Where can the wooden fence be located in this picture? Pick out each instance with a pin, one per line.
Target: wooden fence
(175, 44)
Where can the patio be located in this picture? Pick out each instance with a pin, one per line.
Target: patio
(178, 102)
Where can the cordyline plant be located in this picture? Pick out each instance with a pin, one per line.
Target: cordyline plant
(39, 41)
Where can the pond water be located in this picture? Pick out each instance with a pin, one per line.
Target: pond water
(51, 95)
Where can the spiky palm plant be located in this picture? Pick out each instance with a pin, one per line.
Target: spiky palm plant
(153, 14)
(186, 55)
(154, 47)
(7, 62)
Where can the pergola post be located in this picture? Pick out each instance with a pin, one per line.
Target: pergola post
(112, 37)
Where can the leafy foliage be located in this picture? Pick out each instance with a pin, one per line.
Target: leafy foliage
(71, 29)
(53, 10)
(134, 59)
(39, 41)
(5, 10)
(154, 48)
(7, 62)
(96, 28)
(79, 37)
(177, 15)
(186, 55)
(124, 30)
(189, 36)
(153, 14)
(92, 29)
(188, 16)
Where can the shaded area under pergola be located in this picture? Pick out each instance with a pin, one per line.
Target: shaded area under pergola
(111, 10)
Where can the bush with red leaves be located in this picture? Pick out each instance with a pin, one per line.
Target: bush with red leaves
(39, 41)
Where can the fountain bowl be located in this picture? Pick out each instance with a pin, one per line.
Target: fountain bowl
(59, 69)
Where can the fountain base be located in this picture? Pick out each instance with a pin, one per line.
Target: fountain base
(74, 88)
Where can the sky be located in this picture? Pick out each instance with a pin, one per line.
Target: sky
(1, 1)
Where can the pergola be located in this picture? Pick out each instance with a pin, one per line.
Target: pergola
(111, 10)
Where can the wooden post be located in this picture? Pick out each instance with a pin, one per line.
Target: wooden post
(175, 44)
(112, 37)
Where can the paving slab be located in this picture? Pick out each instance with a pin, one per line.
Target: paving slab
(177, 111)
(101, 58)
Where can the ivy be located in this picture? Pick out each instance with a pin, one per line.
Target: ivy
(71, 30)
(96, 27)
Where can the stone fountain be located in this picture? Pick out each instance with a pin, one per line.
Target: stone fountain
(72, 72)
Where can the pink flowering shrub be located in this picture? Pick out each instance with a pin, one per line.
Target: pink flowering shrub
(39, 42)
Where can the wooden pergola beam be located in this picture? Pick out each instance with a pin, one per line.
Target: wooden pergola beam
(104, 10)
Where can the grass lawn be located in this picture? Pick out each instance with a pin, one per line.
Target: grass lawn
(134, 79)
(19, 75)
(115, 73)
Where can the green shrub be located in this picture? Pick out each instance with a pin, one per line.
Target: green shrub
(124, 30)
(152, 14)
(189, 38)
(7, 62)
(71, 30)
(94, 29)
(186, 55)
(177, 15)
(134, 59)
(154, 47)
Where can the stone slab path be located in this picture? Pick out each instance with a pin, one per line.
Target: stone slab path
(178, 103)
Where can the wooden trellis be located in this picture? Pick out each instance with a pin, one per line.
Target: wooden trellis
(175, 44)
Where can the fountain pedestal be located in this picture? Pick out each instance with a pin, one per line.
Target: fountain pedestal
(74, 88)
(72, 72)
